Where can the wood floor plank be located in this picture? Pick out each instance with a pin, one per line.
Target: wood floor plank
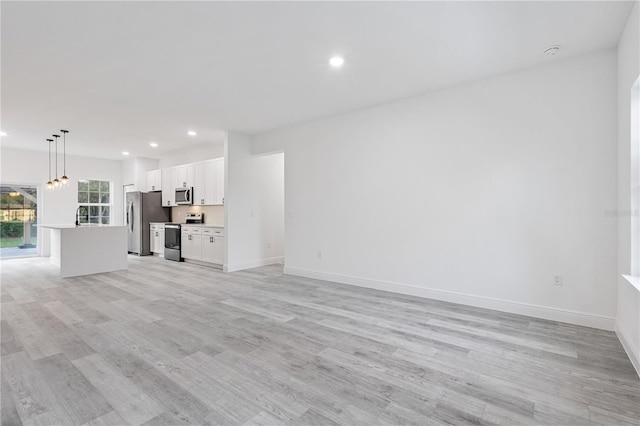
(63, 312)
(33, 398)
(258, 310)
(110, 419)
(133, 405)
(8, 411)
(263, 419)
(21, 295)
(312, 418)
(60, 334)
(37, 343)
(259, 393)
(72, 390)
(10, 342)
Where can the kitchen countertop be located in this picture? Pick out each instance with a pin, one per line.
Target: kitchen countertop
(89, 225)
(204, 225)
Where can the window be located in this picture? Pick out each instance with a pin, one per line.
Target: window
(95, 196)
(635, 178)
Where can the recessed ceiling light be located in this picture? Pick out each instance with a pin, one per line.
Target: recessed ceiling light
(153, 144)
(125, 153)
(3, 134)
(336, 61)
(552, 51)
(191, 133)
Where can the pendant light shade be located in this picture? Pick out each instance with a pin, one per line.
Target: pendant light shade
(64, 177)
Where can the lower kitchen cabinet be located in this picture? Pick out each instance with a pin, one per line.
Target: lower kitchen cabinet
(213, 246)
(204, 244)
(191, 245)
(156, 239)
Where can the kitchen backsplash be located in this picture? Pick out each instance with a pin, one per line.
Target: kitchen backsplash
(213, 215)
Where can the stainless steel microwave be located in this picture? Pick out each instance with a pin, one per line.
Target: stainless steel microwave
(184, 195)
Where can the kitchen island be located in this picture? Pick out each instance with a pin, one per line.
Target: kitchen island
(87, 249)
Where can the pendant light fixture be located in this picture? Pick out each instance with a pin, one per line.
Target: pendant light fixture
(64, 178)
(49, 183)
(56, 182)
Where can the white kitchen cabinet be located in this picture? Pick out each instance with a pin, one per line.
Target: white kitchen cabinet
(218, 170)
(203, 243)
(191, 242)
(152, 238)
(184, 176)
(213, 245)
(199, 188)
(156, 239)
(168, 188)
(206, 178)
(209, 182)
(154, 180)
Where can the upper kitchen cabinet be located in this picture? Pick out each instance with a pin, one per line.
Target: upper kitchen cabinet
(206, 178)
(168, 188)
(209, 182)
(219, 173)
(200, 195)
(184, 176)
(154, 180)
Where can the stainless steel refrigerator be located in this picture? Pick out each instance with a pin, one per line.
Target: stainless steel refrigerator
(143, 208)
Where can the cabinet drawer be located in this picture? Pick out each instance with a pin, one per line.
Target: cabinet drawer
(217, 232)
(191, 229)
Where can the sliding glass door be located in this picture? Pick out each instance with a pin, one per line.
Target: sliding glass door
(18, 220)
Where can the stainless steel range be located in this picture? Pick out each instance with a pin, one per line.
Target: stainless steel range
(172, 234)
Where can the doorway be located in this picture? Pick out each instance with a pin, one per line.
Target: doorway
(18, 221)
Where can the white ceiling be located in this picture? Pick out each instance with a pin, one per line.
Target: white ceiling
(122, 74)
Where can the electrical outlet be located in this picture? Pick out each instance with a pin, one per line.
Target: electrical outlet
(319, 254)
(268, 245)
(557, 280)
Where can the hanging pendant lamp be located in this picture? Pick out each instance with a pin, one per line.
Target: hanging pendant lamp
(56, 181)
(64, 178)
(49, 183)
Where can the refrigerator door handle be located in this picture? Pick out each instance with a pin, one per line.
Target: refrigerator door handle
(131, 221)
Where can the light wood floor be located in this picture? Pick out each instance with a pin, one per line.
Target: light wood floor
(167, 344)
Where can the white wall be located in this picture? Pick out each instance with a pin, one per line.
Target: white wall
(192, 155)
(477, 194)
(59, 207)
(254, 205)
(135, 172)
(628, 316)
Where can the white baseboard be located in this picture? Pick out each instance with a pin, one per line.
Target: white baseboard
(201, 263)
(253, 264)
(635, 359)
(543, 312)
